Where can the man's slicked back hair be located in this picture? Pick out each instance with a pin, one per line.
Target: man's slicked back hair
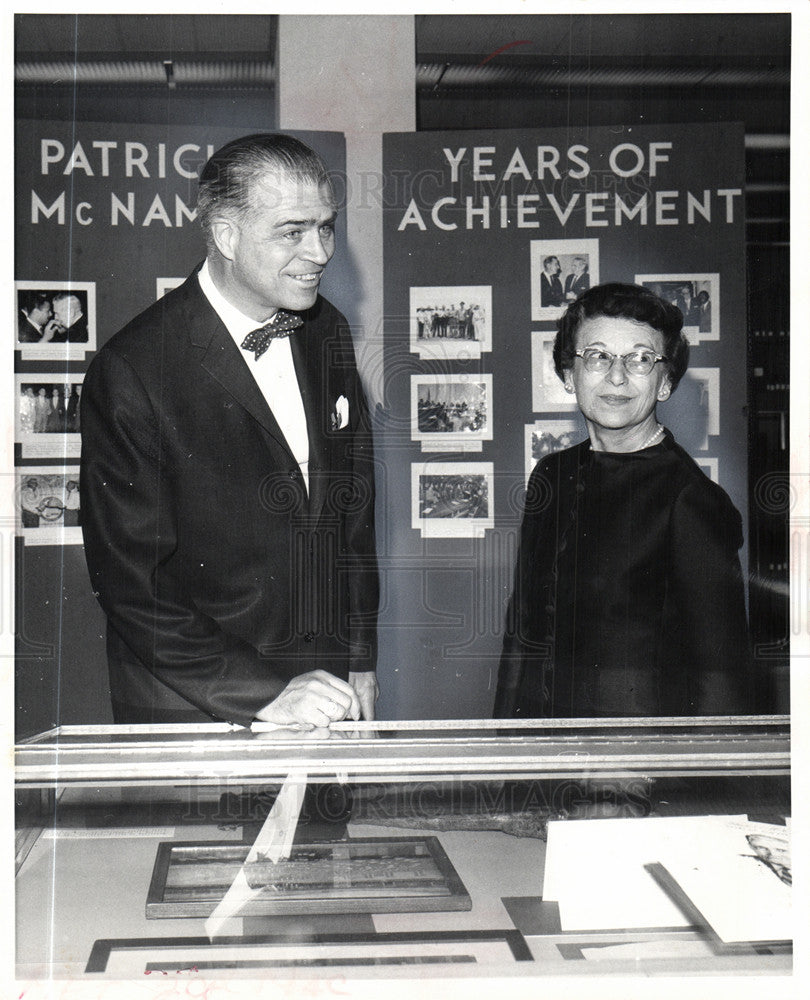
(227, 178)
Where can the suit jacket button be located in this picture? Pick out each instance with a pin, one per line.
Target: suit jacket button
(293, 473)
(309, 637)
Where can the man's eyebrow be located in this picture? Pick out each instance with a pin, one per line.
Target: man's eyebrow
(307, 222)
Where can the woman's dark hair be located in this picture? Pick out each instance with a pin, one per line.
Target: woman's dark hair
(633, 302)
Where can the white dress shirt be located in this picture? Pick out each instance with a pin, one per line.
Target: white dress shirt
(274, 372)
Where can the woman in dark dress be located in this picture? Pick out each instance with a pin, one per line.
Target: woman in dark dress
(628, 596)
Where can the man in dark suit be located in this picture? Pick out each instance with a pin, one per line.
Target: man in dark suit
(551, 289)
(578, 281)
(68, 313)
(703, 311)
(227, 482)
(35, 322)
(687, 304)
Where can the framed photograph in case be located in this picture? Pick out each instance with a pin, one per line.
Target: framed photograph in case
(379, 875)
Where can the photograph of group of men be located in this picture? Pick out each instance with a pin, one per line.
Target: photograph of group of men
(696, 295)
(459, 322)
(451, 320)
(48, 407)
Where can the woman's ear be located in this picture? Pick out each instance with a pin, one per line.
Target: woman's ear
(568, 380)
(665, 391)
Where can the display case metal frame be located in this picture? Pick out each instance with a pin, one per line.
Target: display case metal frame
(407, 751)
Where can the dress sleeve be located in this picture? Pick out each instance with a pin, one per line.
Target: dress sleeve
(524, 655)
(708, 586)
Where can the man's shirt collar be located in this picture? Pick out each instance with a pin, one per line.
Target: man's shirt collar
(238, 324)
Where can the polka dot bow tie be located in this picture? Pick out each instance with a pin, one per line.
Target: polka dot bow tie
(281, 325)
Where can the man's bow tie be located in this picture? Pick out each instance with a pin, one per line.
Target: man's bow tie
(281, 325)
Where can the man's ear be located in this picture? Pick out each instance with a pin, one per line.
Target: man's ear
(225, 234)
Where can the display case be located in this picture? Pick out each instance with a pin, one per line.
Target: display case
(393, 850)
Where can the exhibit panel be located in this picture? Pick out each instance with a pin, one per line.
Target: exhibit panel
(489, 235)
(435, 849)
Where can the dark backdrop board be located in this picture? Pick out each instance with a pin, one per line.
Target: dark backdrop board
(472, 215)
(97, 170)
(109, 205)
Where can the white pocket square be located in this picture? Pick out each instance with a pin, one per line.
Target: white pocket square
(340, 414)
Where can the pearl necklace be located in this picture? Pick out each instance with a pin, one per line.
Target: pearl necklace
(656, 433)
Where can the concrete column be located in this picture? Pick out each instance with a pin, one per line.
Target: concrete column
(353, 74)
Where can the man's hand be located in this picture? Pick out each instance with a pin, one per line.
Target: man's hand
(368, 691)
(313, 699)
(50, 329)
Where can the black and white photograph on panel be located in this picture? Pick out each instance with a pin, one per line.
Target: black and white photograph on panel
(561, 270)
(163, 285)
(48, 505)
(696, 295)
(544, 437)
(48, 414)
(452, 499)
(451, 321)
(451, 412)
(705, 383)
(548, 391)
(56, 320)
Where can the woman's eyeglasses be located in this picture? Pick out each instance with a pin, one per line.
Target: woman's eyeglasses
(636, 363)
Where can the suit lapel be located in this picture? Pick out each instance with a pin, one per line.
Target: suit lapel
(225, 363)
